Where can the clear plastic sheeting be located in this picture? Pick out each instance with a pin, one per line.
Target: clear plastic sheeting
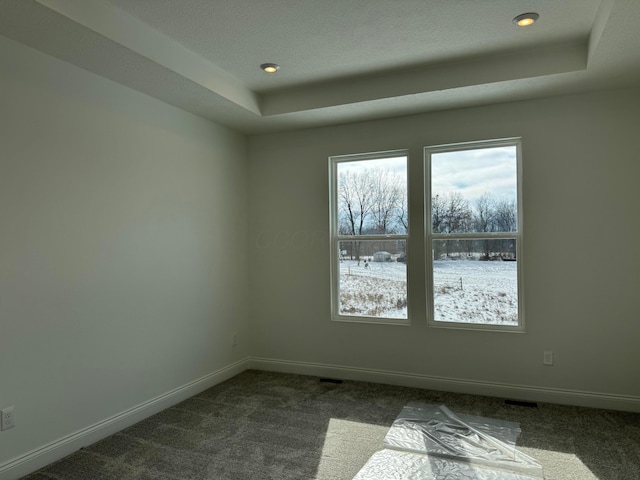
(430, 442)
(397, 465)
(435, 429)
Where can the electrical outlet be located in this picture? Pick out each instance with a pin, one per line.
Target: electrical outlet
(234, 340)
(7, 418)
(547, 357)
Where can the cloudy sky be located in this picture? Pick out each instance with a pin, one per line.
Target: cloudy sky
(468, 172)
(474, 172)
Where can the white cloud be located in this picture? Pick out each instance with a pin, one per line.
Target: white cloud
(474, 172)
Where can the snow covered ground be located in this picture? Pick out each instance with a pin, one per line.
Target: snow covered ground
(379, 290)
(465, 290)
(475, 292)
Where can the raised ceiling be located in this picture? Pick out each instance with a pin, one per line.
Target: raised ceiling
(341, 60)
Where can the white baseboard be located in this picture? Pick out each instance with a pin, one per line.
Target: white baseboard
(38, 458)
(510, 391)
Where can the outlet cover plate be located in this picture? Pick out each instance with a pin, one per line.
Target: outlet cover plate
(7, 418)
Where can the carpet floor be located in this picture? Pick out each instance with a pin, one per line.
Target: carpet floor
(263, 425)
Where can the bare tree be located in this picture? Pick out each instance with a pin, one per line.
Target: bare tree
(506, 216)
(438, 211)
(457, 213)
(387, 190)
(450, 213)
(402, 211)
(484, 215)
(355, 200)
(355, 203)
(484, 220)
(507, 221)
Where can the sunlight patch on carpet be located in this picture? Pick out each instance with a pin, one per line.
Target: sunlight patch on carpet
(560, 464)
(347, 447)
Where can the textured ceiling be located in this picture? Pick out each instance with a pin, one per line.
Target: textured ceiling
(342, 60)
(321, 40)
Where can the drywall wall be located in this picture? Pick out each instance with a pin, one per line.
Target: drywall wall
(581, 264)
(123, 273)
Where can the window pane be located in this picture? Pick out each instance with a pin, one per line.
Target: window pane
(373, 278)
(372, 196)
(474, 190)
(475, 281)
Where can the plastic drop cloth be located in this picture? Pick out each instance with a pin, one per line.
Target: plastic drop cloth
(397, 465)
(430, 442)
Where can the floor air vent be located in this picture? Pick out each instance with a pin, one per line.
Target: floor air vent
(331, 380)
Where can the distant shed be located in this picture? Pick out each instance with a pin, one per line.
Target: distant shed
(382, 257)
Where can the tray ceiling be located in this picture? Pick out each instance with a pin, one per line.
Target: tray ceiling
(341, 61)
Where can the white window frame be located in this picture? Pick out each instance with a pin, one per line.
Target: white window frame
(431, 236)
(336, 238)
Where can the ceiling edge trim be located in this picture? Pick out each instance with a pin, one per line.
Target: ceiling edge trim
(564, 58)
(126, 30)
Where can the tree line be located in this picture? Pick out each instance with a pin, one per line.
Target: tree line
(374, 201)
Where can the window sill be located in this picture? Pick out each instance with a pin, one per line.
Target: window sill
(405, 322)
(479, 327)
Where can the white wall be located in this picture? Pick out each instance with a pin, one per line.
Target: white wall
(123, 271)
(581, 257)
(123, 249)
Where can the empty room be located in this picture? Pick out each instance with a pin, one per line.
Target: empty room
(248, 239)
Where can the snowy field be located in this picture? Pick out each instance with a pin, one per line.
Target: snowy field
(379, 290)
(464, 291)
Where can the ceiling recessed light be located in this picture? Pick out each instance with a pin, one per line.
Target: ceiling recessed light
(526, 19)
(270, 67)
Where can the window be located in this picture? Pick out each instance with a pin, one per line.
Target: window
(369, 226)
(474, 235)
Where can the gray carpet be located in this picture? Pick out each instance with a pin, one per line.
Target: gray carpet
(262, 425)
